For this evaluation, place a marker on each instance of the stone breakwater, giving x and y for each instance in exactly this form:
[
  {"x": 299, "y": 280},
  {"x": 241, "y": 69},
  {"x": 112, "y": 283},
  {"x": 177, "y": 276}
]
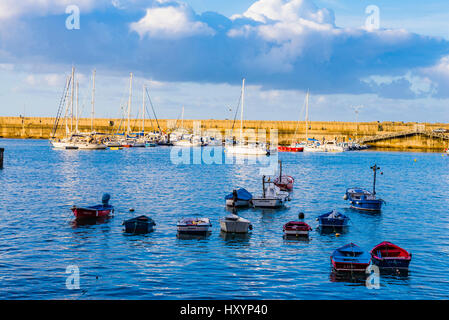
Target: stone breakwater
[{"x": 41, "y": 128}]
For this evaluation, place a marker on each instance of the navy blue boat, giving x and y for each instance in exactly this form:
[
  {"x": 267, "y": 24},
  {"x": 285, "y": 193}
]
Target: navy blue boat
[
  {"x": 333, "y": 219},
  {"x": 362, "y": 199},
  {"x": 239, "y": 198},
  {"x": 141, "y": 224},
  {"x": 350, "y": 258}
]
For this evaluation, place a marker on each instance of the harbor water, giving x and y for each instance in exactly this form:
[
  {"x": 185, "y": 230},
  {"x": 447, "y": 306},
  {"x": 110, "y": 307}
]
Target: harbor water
[{"x": 40, "y": 242}]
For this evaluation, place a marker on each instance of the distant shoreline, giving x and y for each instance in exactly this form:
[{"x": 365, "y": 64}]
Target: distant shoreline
[{"x": 41, "y": 128}]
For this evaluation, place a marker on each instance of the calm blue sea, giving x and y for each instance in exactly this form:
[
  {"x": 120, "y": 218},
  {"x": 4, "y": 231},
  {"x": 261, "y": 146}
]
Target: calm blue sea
[{"x": 39, "y": 238}]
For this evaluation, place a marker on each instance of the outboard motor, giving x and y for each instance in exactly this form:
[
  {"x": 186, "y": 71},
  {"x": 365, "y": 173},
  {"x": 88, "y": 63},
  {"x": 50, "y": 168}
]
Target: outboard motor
[{"x": 105, "y": 199}]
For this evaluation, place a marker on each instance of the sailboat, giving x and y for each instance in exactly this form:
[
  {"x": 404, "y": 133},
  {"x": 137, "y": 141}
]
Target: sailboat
[
  {"x": 272, "y": 196},
  {"x": 184, "y": 139},
  {"x": 310, "y": 145},
  {"x": 242, "y": 148},
  {"x": 87, "y": 141},
  {"x": 67, "y": 142}
]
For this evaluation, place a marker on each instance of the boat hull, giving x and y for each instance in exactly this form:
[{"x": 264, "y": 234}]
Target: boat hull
[
  {"x": 186, "y": 229},
  {"x": 90, "y": 213},
  {"x": 290, "y": 149},
  {"x": 392, "y": 263},
  {"x": 234, "y": 226},
  {"x": 92, "y": 146},
  {"x": 367, "y": 205},
  {"x": 332, "y": 223},
  {"x": 349, "y": 266},
  {"x": 267, "y": 203},
  {"x": 139, "y": 225},
  {"x": 237, "y": 203},
  {"x": 246, "y": 150}
]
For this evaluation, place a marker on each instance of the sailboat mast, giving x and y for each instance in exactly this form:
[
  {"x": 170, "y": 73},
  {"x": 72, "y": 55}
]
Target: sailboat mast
[
  {"x": 307, "y": 116},
  {"x": 182, "y": 117},
  {"x": 92, "y": 115},
  {"x": 77, "y": 105},
  {"x": 241, "y": 114},
  {"x": 67, "y": 106},
  {"x": 129, "y": 99},
  {"x": 71, "y": 99},
  {"x": 143, "y": 109}
]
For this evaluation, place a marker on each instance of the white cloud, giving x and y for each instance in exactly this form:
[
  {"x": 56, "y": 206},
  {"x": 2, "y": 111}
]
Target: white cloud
[
  {"x": 48, "y": 79},
  {"x": 439, "y": 76},
  {"x": 170, "y": 22}
]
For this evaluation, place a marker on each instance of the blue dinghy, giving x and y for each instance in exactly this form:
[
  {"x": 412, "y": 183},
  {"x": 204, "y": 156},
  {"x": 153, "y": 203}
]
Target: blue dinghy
[
  {"x": 239, "y": 198},
  {"x": 350, "y": 257},
  {"x": 333, "y": 219}
]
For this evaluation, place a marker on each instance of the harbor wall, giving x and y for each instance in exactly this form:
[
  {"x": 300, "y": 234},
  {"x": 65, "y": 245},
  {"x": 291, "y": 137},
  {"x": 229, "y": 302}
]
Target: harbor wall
[{"x": 41, "y": 128}]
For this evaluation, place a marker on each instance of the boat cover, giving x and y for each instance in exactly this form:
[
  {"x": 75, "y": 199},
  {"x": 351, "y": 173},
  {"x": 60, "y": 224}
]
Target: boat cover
[{"x": 242, "y": 194}]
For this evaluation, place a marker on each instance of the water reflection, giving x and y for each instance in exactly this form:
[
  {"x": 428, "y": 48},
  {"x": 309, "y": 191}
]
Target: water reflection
[
  {"x": 349, "y": 277},
  {"x": 192, "y": 236},
  {"x": 235, "y": 239},
  {"x": 332, "y": 230},
  {"x": 78, "y": 223},
  {"x": 298, "y": 238}
]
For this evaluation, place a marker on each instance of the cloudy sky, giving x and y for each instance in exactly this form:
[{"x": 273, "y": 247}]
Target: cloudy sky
[{"x": 194, "y": 53}]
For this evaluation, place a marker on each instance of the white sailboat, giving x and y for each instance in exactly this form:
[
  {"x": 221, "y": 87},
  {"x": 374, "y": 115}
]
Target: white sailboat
[
  {"x": 241, "y": 148},
  {"x": 67, "y": 142},
  {"x": 307, "y": 145},
  {"x": 87, "y": 141},
  {"x": 181, "y": 138}
]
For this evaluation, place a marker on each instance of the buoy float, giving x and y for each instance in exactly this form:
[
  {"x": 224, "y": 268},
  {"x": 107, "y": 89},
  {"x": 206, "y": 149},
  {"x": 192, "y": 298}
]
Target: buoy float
[
  {"x": 131, "y": 210},
  {"x": 337, "y": 234},
  {"x": 301, "y": 215}
]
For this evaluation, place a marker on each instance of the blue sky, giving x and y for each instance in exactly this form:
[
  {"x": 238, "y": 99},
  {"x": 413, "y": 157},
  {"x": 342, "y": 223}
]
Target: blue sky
[{"x": 194, "y": 53}]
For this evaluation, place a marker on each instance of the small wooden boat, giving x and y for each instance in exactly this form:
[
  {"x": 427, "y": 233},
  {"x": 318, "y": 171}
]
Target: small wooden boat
[
  {"x": 387, "y": 255},
  {"x": 290, "y": 149},
  {"x": 296, "y": 228},
  {"x": 141, "y": 224},
  {"x": 333, "y": 219},
  {"x": 362, "y": 199},
  {"x": 238, "y": 198},
  {"x": 234, "y": 224},
  {"x": 98, "y": 211},
  {"x": 350, "y": 258},
  {"x": 194, "y": 225},
  {"x": 284, "y": 182}
]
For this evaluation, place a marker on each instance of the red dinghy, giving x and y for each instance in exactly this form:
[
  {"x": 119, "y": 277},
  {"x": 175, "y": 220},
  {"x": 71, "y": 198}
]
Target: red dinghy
[
  {"x": 98, "y": 211},
  {"x": 387, "y": 255},
  {"x": 296, "y": 228}
]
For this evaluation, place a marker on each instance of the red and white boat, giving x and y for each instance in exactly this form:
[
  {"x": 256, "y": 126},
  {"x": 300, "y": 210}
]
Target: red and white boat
[
  {"x": 290, "y": 149},
  {"x": 98, "y": 211},
  {"x": 283, "y": 182},
  {"x": 296, "y": 228}
]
